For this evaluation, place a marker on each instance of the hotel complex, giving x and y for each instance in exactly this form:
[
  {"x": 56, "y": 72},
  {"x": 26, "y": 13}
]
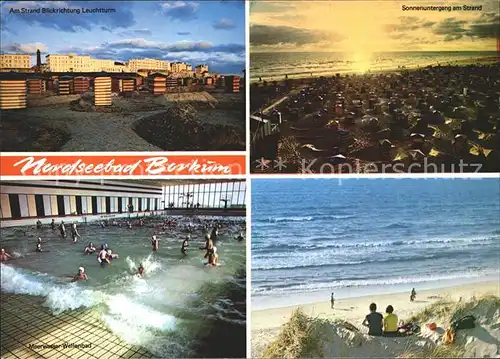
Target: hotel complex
[{"x": 77, "y": 63}]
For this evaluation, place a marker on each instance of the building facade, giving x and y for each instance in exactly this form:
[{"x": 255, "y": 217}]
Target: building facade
[
  {"x": 66, "y": 198},
  {"x": 200, "y": 69},
  {"x": 11, "y": 62},
  {"x": 76, "y": 63},
  {"x": 178, "y": 67},
  {"x": 134, "y": 65}
]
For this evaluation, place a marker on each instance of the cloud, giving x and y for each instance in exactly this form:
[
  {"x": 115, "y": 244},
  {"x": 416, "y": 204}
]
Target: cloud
[
  {"x": 180, "y": 10},
  {"x": 136, "y": 32},
  {"x": 122, "y": 18},
  {"x": 185, "y": 33},
  {"x": 270, "y": 7},
  {"x": 224, "y": 24},
  {"x": 276, "y": 35},
  {"x": 407, "y": 24},
  {"x": 450, "y": 26},
  {"x": 288, "y": 18},
  {"x": 29, "y": 48}
]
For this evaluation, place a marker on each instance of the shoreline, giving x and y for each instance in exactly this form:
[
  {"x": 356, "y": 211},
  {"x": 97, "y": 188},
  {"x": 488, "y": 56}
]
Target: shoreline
[
  {"x": 280, "y": 79},
  {"x": 266, "y": 323}
]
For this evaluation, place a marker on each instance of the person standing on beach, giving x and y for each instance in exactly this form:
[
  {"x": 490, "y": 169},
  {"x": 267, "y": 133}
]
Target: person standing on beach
[
  {"x": 332, "y": 300},
  {"x": 374, "y": 321},
  {"x": 413, "y": 295}
]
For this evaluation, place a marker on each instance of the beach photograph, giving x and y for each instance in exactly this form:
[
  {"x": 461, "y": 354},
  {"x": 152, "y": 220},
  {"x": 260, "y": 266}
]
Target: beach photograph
[
  {"x": 123, "y": 269},
  {"x": 123, "y": 76},
  {"x": 374, "y": 87},
  {"x": 375, "y": 268}
]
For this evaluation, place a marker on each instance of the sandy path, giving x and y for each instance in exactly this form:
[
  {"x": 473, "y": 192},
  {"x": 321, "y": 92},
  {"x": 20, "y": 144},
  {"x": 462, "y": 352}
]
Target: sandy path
[
  {"x": 106, "y": 132},
  {"x": 266, "y": 323}
]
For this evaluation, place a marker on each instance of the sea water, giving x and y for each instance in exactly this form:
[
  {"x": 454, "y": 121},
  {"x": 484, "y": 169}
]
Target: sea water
[
  {"x": 355, "y": 237},
  {"x": 162, "y": 311},
  {"x": 275, "y": 65}
]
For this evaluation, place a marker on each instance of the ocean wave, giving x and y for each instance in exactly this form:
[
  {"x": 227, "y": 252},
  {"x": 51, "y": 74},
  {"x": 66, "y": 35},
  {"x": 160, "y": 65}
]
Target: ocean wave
[
  {"x": 315, "y": 263},
  {"x": 307, "y": 246},
  {"x": 330, "y": 285},
  {"x": 306, "y": 218}
]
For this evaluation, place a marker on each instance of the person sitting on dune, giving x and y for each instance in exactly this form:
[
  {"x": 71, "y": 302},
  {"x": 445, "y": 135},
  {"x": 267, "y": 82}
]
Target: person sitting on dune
[
  {"x": 374, "y": 321},
  {"x": 4, "y": 256},
  {"x": 390, "y": 322},
  {"x": 81, "y": 275}
]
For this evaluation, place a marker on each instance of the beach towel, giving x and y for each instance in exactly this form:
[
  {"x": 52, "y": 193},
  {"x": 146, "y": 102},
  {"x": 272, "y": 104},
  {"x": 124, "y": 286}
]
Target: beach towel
[
  {"x": 449, "y": 336},
  {"x": 409, "y": 329},
  {"x": 467, "y": 322}
]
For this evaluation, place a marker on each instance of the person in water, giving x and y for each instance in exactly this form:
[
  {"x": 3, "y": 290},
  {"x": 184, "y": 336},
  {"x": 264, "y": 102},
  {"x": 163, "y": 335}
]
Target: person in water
[
  {"x": 89, "y": 249},
  {"x": 214, "y": 235},
  {"x": 413, "y": 295},
  {"x": 4, "y": 256},
  {"x": 240, "y": 237},
  {"x": 155, "y": 243},
  {"x": 38, "y": 224},
  {"x": 53, "y": 224},
  {"x": 81, "y": 275},
  {"x": 213, "y": 257},
  {"x": 102, "y": 257},
  {"x": 110, "y": 255},
  {"x": 374, "y": 321},
  {"x": 140, "y": 270},
  {"x": 332, "y": 300},
  {"x": 74, "y": 233},
  {"x": 185, "y": 245},
  {"x": 39, "y": 245},
  {"x": 62, "y": 229},
  {"x": 390, "y": 322}
]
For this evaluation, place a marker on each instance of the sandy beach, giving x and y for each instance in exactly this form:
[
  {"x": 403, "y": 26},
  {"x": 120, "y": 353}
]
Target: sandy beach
[{"x": 266, "y": 323}]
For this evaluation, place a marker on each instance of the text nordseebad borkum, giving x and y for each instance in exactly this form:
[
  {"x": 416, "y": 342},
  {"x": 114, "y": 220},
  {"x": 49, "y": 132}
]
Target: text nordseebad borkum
[{"x": 57, "y": 10}]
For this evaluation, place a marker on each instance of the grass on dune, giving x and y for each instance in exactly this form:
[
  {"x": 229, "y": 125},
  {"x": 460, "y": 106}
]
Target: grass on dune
[
  {"x": 449, "y": 310},
  {"x": 300, "y": 337},
  {"x": 440, "y": 351}
]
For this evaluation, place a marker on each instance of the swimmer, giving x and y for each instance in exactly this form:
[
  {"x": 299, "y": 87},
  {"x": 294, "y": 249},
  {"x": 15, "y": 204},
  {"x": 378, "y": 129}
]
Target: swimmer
[
  {"x": 102, "y": 257},
  {"x": 129, "y": 225},
  {"x": 38, "y": 224},
  {"x": 4, "y": 255},
  {"x": 240, "y": 237},
  {"x": 154, "y": 243},
  {"x": 213, "y": 257},
  {"x": 110, "y": 255},
  {"x": 74, "y": 233},
  {"x": 140, "y": 270},
  {"x": 89, "y": 249},
  {"x": 39, "y": 245},
  {"x": 62, "y": 229},
  {"x": 53, "y": 224},
  {"x": 81, "y": 275},
  {"x": 185, "y": 246}
]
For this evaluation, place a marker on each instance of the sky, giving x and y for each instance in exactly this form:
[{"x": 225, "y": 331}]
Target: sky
[
  {"x": 196, "y": 32},
  {"x": 371, "y": 26}
]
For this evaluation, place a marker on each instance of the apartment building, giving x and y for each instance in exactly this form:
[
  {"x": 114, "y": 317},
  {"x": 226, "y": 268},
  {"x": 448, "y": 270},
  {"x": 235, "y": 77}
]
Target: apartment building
[
  {"x": 134, "y": 65},
  {"x": 181, "y": 67},
  {"x": 76, "y": 63},
  {"x": 10, "y": 62},
  {"x": 200, "y": 69}
]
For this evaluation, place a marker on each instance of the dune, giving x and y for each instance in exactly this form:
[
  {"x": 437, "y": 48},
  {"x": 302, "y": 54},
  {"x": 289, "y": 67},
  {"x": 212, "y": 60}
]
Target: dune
[{"x": 317, "y": 331}]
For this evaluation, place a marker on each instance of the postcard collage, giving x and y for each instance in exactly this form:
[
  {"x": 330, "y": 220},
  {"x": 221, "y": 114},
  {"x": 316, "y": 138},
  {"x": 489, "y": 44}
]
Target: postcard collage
[{"x": 250, "y": 179}]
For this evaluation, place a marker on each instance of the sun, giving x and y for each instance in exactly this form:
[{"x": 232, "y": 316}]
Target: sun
[{"x": 361, "y": 62}]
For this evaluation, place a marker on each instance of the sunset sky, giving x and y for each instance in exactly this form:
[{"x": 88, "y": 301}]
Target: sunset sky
[
  {"x": 371, "y": 26},
  {"x": 196, "y": 32}
]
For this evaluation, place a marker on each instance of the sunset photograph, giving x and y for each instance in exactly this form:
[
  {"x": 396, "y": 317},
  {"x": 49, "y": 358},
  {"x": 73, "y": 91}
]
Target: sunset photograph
[{"x": 374, "y": 86}]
